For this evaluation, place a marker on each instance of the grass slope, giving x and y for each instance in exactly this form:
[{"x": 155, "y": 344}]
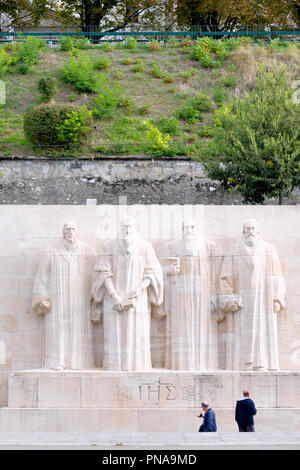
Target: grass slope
[{"x": 157, "y": 85}]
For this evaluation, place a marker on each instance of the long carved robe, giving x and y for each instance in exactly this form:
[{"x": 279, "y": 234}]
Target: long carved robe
[
  {"x": 126, "y": 344},
  {"x": 253, "y": 274},
  {"x": 191, "y": 330},
  {"x": 64, "y": 278}
]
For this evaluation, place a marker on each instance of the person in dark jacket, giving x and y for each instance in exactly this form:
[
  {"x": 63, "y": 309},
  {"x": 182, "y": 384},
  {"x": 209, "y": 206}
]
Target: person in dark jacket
[
  {"x": 209, "y": 421},
  {"x": 244, "y": 412}
]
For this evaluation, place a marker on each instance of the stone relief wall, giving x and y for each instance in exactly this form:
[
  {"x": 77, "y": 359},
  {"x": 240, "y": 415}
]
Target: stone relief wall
[{"x": 27, "y": 231}]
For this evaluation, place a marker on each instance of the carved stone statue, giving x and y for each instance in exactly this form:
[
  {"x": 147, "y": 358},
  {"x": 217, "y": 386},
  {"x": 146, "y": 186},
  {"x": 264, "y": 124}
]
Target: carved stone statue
[
  {"x": 253, "y": 293},
  {"x": 62, "y": 293},
  {"x": 128, "y": 280},
  {"x": 191, "y": 330}
]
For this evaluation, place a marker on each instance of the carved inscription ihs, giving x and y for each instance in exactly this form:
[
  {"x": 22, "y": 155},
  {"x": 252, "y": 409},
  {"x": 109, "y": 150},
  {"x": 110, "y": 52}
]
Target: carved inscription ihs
[{"x": 156, "y": 391}]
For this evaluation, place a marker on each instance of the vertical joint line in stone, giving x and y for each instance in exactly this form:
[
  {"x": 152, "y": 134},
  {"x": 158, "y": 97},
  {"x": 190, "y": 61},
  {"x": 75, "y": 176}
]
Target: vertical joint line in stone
[
  {"x": 122, "y": 200},
  {"x": 122, "y": 211}
]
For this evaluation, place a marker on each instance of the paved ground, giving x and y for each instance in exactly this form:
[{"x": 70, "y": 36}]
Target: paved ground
[{"x": 149, "y": 441}]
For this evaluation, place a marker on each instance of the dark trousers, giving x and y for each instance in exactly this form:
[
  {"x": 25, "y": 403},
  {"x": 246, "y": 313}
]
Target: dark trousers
[{"x": 246, "y": 428}]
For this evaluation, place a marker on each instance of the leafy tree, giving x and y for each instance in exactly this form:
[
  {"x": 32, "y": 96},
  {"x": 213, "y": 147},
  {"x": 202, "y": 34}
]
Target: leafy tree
[
  {"x": 22, "y": 12},
  {"x": 227, "y": 14},
  {"x": 255, "y": 148},
  {"x": 92, "y": 13},
  {"x": 117, "y": 14}
]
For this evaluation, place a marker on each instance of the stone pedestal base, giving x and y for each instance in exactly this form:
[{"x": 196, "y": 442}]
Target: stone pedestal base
[
  {"x": 138, "y": 420},
  {"x": 97, "y": 400}
]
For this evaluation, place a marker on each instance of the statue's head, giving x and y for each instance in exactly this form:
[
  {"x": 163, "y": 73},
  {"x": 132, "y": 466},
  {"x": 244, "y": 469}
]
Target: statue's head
[
  {"x": 189, "y": 229},
  {"x": 127, "y": 227},
  {"x": 250, "y": 231},
  {"x": 69, "y": 231}
]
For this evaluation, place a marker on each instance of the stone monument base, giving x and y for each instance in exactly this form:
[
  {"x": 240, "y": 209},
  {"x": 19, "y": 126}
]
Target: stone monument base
[{"x": 161, "y": 400}]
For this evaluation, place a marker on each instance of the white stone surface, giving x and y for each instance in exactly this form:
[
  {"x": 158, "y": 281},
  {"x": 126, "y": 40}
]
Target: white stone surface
[
  {"x": 128, "y": 281},
  {"x": 138, "y": 420},
  {"x": 189, "y": 304},
  {"x": 83, "y": 399},
  {"x": 26, "y": 231},
  {"x": 159, "y": 389},
  {"x": 252, "y": 292},
  {"x": 150, "y": 441},
  {"x": 61, "y": 293}
]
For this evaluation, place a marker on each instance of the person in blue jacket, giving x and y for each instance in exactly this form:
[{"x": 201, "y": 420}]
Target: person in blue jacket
[
  {"x": 209, "y": 421},
  {"x": 244, "y": 412}
]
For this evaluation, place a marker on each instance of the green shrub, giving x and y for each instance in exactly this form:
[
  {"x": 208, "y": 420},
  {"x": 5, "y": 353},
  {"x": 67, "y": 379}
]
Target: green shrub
[
  {"x": 158, "y": 141},
  {"x": 232, "y": 44},
  {"x": 107, "y": 100},
  {"x": 139, "y": 75},
  {"x": 206, "y": 131},
  {"x": 229, "y": 81},
  {"x": 27, "y": 52},
  {"x": 131, "y": 43},
  {"x": 168, "y": 78},
  {"x": 5, "y": 61},
  {"x": 193, "y": 107},
  {"x": 189, "y": 113},
  {"x": 23, "y": 68},
  {"x": 126, "y": 135},
  {"x": 105, "y": 105},
  {"x": 127, "y": 61},
  {"x": 202, "y": 103},
  {"x": 210, "y": 52},
  {"x": 173, "y": 42},
  {"x": 187, "y": 74},
  {"x": 220, "y": 95},
  {"x": 156, "y": 70},
  {"x": 145, "y": 109},
  {"x": 154, "y": 45},
  {"x": 216, "y": 74},
  {"x": 108, "y": 47},
  {"x": 232, "y": 67},
  {"x": 72, "y": 97},
  {"x": 81, "y": 74},
  {"x": 175, "y": 149},
  {"x": 138, "y": 67},
  {"x": 278, "y": 45},
  {"x": 48, "y": 88},
  {"x": 66, "y": 44},
  {"x": 169, "y": 126},
  {"x": 127, "y": 103},
  {"x": 102, "y": 63},
  {"x": 118, "y": 74},
  {"x": 255, "y": 149},
  {"x": 173, "y": 90},
  {"x": 77, "y": 127},
  {"x": 244, "y": 41},
  {"x": 82, "y": 43},
  {"x": 41, "y": 124}
]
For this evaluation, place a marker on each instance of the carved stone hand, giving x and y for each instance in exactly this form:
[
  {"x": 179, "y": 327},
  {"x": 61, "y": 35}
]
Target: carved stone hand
[
  {"x": 133, "y": 294},
  {"x": 118, "y": 305},
  {"x": 234, "y": 305},
  {"x": 173, "y": 270},
  {"x": 44, "y": 306},
  {"x": 276, "y": 306}
]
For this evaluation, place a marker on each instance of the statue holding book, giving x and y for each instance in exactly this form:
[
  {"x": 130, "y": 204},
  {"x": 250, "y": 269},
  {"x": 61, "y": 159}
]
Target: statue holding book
[
  {"x": 128, "y": 281},
  {"x": 189, "y": 301}
]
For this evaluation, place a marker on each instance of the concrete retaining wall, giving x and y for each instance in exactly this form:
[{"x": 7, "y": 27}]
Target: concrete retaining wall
[{"x": 160, "y": 181}]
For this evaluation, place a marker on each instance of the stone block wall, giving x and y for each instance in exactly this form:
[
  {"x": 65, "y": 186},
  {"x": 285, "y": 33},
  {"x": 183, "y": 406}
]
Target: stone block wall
[{"x": 25, "y": 231}]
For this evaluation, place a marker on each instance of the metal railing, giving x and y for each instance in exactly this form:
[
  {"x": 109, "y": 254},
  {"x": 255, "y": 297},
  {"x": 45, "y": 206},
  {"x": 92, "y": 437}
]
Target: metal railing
[{"x": 54, "y": 33}]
